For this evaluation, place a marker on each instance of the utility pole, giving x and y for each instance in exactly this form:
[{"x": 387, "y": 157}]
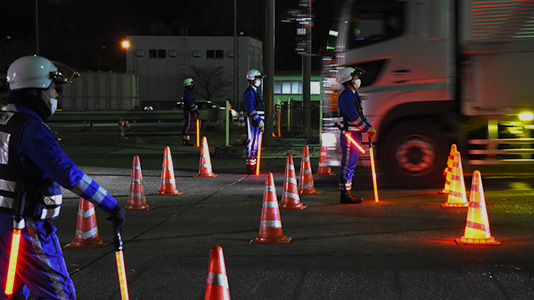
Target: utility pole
[
  {"x": 306, "y": 69},
  {"x": 268, "y": 82}
]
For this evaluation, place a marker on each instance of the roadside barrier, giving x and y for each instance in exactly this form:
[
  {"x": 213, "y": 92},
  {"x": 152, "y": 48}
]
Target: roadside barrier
[
  {"x": 204, "y": 169},
  {"x": 457, "y": 196},
  {"x": 290, "y": 197},
  {"x": 270, "y": 224},
  {"x": 86, "y": 228},
  {"x": 217, "y": 283},
  {"x": 477, "y": 228},
  {"x": 306, "y": 186},
  {"x": 168, "y": 183},
  {"x": 137, "y": 199}
]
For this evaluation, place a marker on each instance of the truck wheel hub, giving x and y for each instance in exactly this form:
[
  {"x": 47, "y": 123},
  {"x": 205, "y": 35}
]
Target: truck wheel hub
[{"x": 415, "y": 156}]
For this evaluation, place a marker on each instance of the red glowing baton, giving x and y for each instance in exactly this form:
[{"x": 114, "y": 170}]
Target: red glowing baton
[
  {"x": 259, "y": 154},
  {"x": 18, "y": 225},
  {"x": 373, "y": 170},
  {"x": 350, "y": 139},
  {"x": 121, "y": 270},
  {"x": 198, "y": 132}
]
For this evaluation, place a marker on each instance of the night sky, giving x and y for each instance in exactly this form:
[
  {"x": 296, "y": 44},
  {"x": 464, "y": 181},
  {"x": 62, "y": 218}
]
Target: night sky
[{"x": 87, "y": 34}]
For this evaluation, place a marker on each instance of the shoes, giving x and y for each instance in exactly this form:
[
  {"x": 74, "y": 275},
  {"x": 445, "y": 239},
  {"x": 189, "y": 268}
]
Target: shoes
[
  {"x": 187, "y": 143},
  {"x": 346, "y": 198}
]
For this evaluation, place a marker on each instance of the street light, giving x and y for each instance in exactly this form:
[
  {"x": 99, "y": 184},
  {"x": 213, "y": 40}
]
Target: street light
[{"x": 125, "y": 44}]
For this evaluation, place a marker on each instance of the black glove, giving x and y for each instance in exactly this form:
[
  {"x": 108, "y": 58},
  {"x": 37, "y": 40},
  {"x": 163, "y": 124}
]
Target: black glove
[{"x": 116, "y": 216}]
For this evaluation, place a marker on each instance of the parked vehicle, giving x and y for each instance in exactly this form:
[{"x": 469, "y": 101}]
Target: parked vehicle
[{"x": 438, "y": 72}]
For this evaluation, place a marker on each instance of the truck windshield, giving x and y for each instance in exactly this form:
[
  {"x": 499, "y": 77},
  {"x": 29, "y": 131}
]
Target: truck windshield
[{"x": 374, "y": 21}]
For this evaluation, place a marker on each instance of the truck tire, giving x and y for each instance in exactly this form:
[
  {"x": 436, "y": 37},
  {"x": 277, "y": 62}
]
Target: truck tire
[{"x": 414, "y": 155}]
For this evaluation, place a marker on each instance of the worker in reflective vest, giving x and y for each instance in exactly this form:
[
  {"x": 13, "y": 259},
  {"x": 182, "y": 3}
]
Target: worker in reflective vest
[
  {"x": 354, "y": 123},
  {"x": 191, "y": 112},
  {"x": 255, "y": 115},
  {"x": 32, "y": 163}
]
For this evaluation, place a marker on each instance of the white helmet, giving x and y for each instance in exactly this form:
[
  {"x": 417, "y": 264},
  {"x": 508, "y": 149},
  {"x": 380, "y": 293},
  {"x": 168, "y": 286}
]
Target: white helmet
[
  {"x": 37, "y": 72},
  {"x": 348, "y": 73},
  {"x": 188, "y": 82},
  {"x": 253, "y": 74}
]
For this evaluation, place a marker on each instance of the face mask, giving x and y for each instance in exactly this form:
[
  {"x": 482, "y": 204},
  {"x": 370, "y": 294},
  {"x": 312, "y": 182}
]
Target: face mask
[
  {"x": 53, "y": 105},
  {"x": 51, "y": 102},
  {"x": 257, "y": 82},
  {"x": 357, "y": 83}
]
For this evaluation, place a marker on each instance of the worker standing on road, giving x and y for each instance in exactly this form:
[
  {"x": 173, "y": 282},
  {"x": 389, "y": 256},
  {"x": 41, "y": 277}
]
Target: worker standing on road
[
  {"x": 190, "y": 111},
  {"x": 255, "y": 114},
  {"x": 32, "y": 166},
  {"x": 354, "y": 123}
]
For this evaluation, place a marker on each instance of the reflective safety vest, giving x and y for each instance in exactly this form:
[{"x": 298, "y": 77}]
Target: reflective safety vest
[{"x": 43, "y": 196}]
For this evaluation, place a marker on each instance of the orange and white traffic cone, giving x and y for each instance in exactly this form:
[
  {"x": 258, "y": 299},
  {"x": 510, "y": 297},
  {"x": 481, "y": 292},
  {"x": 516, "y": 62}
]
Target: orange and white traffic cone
[
  {"x": 270, "y": 224},
  {"x": 120, "y": 134},
  {"x": 457, "y": 196},
  {"x": 217, "y": 283},
  {"x": 137, "y": 199},
  {"x": 241, "y": 120},
  {"x": 324, "y": 169},
  {"x": 204, "y": 169},
  {"x": 290, "y": 197},
  {"x": 168, "y": 183},
  {"x": 477, "y": 228},
  {"x": 86, "y": 228},
  {"x": 306, "y": 186},
  {"x": 448, "y": 170}
]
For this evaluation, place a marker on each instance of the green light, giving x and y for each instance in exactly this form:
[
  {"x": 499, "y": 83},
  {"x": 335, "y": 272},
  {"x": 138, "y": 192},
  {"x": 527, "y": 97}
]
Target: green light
[
  {"x": 333, "y": 32},
  {"x": 526, "y": 116}
]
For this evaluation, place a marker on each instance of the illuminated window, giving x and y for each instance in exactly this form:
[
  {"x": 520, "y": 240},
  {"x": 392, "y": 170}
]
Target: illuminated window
[
  {"x": 286, "y": 87},
  {"x": 278, "y": 87},
  {"x": 296, "y": 87},
  {"x": 156, "y": 53},
  {"x": 315, "y": 88}
]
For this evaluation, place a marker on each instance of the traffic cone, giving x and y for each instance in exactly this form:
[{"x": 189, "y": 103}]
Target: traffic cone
[
  {"x": 290, "y": 197},
  {"x": 86, "y": 229},
  {"x": 125, "y": 124},
  {"x": 306, "y": 186},
  {"x": 270, "y": 224},
  {"x": 217, "y": 283},
  {"x": 477, "y": 229},
  {"x": 448, "y": 170},
  {"x": 120, "y": 134},
  {"x": 137, "y": 199},
  {"x": 457, "y": 196},
  {"x": 241, "y": 120},
  {"x": 204, "y": 169},
  {"x": 168, "y": 183},
  {"x": 324, "y": 169}
]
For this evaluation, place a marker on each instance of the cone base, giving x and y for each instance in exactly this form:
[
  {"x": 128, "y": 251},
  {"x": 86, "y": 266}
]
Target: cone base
[
  {"x": 266, "y": 240},
  {"x": 87, "y": 244},
  {"x": 206, "y": 175},
  {"x": 324, "y": 173},
  {"x": 474, "y": 241},
  {"x": 312, "y": 191},
  {"x": 138, "y": 207},
  {"x": 167, "y": 193},
  {"x": 293, "y": 206},
  {"x": 455, "y": 205}
]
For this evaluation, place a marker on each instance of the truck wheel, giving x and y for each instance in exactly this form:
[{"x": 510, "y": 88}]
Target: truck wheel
[{"x": 414, "y": 155}]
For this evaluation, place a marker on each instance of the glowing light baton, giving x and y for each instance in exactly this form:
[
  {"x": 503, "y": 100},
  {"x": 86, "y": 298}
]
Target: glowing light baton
[
  {"x": 121, "y": 270},
  {"x": 259, "y": 155},
  {"x": 18, "y": 225},
  {"x": 198, "y": 132},
  {"x": 373, "y": 170},
  {"x": 350, "y": 139}
]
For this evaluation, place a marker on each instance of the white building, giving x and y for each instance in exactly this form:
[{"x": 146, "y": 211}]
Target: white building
[{"x": 163, "y": 62}]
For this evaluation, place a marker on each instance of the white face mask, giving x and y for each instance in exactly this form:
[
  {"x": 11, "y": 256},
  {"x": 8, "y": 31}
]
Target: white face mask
[
  {"x": 50, "y": 102},
  {"x": 53, "y": 105},
  {"x": 257, "y": 82},
  {"x": 357, "y": 83}
]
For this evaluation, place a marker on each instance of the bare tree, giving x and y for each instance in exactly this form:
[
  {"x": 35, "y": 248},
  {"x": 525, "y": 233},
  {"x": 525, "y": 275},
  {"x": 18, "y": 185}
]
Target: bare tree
[{"x": 210, "y": 81}]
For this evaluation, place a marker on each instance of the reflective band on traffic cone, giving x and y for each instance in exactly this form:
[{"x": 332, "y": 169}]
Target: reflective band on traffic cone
[
  {"x": 324, "y": 169},
  {"x": 270, "y": 224},
  {"x": 290, "y": 197},
  {"x": 217, "y": 283},
  {"x": 477, "y": 228},
  {"x": 86, "y": 228},
  {"x": 204, "y": 169},
  {"x": 448, "y": 170},
  {"x": 457, "y": 196},
  {"x": 241, "y": 120},
  {"x": 168, "y": 183},
  {"x": 137, "y": 199},
  {"x": 120, "y": 134},
  {"x": 306, "y": 186}
]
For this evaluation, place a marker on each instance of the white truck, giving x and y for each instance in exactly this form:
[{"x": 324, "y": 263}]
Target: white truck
[{"x": 438, "y": 72}]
